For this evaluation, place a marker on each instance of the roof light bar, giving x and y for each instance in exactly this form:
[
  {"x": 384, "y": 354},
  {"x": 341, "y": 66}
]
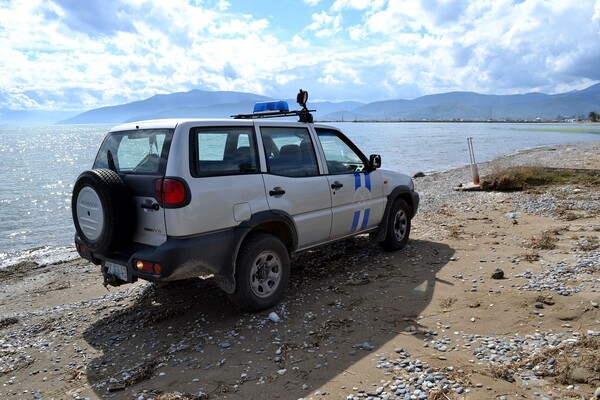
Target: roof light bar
[
  {"x": 280, "y": 108},
  {"x": 269, "y": 106}
]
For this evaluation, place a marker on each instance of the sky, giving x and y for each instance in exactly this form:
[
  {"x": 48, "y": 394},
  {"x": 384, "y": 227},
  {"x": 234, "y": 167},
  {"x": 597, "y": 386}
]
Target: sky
[{"x": 85, "y": 54}]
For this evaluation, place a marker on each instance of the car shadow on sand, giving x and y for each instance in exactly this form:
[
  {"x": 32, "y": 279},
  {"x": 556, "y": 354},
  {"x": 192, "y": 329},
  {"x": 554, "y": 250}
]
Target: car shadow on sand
[{"x": 343, "y": 302}]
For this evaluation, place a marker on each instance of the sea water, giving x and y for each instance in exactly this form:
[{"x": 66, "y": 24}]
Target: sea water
[{"x": 39, "y": 165}]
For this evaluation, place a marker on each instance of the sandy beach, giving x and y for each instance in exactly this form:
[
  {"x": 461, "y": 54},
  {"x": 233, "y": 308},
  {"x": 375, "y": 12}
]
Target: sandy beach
[{"x": 495, "y": 297}]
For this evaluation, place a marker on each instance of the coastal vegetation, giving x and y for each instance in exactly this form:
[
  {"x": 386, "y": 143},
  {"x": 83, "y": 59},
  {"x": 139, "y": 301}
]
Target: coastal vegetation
[{"x": 506, "y": 179}]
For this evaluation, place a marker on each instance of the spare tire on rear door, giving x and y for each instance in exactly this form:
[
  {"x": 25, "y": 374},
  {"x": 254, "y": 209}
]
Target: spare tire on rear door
[{"x": 102, "y": 210}]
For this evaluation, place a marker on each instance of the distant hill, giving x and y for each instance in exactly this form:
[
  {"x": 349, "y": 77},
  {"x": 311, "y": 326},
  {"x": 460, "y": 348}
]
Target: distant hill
[
  {"x": 193, "y": 104},
  {"x": 444, "y": 106},
  {"x": 474, "y": 106}
]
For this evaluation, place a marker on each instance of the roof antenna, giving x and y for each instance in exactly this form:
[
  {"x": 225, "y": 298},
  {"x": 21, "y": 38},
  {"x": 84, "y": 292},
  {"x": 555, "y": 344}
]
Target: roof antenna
[
  {"x": 305, "y": 115},
  {"x": 302, "y": 98}
]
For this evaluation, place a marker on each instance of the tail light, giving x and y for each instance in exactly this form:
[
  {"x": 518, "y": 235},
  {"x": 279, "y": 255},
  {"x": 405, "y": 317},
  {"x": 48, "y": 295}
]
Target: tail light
[
  {"x": 83, "y": 251},
  {"x": 148, "y": 266},
  {"x": 172, "y": 192}
]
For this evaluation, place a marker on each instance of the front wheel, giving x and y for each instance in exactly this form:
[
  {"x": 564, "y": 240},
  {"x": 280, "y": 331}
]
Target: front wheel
[
  {"x": 398, "y": 227},
  {"x": 262, "y": 273}
]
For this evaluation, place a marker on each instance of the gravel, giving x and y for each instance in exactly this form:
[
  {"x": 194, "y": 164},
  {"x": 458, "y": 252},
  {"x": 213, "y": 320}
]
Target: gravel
[
  {"x": 413, "y": 379},
  {"x": 516, "y": 358}
]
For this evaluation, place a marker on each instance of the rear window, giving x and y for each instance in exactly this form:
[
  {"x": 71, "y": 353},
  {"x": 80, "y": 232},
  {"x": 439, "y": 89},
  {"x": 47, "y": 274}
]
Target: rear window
[{"x": 142, "y": 151}]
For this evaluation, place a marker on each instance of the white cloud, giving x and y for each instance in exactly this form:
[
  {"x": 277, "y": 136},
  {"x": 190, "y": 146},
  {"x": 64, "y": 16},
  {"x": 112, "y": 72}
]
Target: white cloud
[
  {"x": 299, "y": 42},
  {"x": 79, "y": 55},
  {"x": 357, "y": 32},
  {"x": 340, "y": 5},
  {"x": 325, "y": 25}
]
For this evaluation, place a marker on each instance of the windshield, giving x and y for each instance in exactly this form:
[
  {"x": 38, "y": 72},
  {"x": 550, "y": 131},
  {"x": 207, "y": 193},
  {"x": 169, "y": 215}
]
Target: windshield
[{"x": 142, "y": 151}]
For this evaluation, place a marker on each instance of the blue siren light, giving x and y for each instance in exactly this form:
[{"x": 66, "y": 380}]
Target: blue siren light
[{"x": 270, "y": 106}]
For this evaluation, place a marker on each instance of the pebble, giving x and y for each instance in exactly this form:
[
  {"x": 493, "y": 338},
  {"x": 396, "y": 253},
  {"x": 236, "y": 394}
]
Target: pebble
[
  {"x": 561, "y": 277},
  {"x": 273, "y": 317},
  {"x": 498, "y": 274}
]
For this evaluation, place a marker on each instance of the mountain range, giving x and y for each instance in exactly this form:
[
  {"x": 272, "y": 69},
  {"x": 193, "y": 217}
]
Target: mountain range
[{"x": 436, "y": 107}]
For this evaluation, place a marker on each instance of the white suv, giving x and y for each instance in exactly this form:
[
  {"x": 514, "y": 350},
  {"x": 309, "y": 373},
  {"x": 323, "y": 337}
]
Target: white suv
[{"x": 235, "y": 198}]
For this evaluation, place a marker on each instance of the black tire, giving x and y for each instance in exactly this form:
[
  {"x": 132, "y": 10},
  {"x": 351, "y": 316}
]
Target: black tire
[
  {"x": 262, "y": 273},
  {"x": 102, "y": 210},
  {"x": 398, "y": 226}
]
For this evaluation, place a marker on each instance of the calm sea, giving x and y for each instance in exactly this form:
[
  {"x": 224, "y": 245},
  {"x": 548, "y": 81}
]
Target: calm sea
[{"x": 38, "y": 165}]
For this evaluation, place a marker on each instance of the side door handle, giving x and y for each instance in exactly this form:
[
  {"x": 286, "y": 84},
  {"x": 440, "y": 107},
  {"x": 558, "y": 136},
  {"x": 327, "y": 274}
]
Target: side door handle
[
  {"x": 276, "y": 191},
  {"x": 337, "y": 185}
]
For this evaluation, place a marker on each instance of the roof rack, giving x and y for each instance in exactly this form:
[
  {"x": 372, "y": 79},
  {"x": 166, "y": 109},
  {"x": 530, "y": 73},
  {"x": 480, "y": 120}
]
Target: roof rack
[{"x": 278, "y": 108}]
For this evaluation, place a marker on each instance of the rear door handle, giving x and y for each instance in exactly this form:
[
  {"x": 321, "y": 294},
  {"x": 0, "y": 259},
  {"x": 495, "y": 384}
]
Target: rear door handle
[
  {"x": 150, "y": 206},
  {"x": 276, "y": 191},
  {"x": 337, "y": 185}
]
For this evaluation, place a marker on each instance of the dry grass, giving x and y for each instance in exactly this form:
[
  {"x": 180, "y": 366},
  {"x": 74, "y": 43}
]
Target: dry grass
[
  {"x": 159, "y": 395},
  {"x": 546, "y": 241},
  {"x": 530, "y": 257},
  {"x": 588, "y": 243},
  {"x": 448, "y": 302},
  {"x": 509, "y": 179},
  {"x": 455, "y": 231}
]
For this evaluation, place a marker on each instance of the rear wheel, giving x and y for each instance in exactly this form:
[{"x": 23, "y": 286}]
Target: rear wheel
[
  {"x": 262, "y": 273},
  {"x": 102, "y": 212},
  {"x": 398, "y": 227}
]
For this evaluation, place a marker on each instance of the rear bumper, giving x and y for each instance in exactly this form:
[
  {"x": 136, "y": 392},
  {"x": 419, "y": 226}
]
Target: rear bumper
[{"x": 179, "y": 258}]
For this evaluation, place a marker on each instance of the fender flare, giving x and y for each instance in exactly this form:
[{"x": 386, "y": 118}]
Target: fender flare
[{"x": 276, "y": 222}]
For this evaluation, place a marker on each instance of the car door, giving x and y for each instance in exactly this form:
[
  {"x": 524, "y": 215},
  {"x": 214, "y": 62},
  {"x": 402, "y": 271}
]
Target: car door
[
  {"x": 357, "y": 194},
  {"x": 225, "y": 183},
  {"x": 293, "y": 183}
]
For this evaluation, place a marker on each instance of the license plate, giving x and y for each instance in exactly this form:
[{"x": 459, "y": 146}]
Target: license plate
[{"x": 120, "y": 271}]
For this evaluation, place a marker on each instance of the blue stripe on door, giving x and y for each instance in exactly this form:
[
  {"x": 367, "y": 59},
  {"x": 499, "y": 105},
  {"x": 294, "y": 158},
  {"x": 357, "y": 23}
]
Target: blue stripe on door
[
  {"x": 365, "y": 219},
  {"x": 355, "y": 221}
]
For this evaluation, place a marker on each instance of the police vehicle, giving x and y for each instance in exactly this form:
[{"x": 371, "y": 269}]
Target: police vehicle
[{"x": 233, "y": 198}]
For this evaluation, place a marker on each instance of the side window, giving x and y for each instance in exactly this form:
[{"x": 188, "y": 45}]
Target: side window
[
  {"x": 289, "y": 151},
  {"x": 341, "y": 158},
  {"x": 223, "y": 151}
]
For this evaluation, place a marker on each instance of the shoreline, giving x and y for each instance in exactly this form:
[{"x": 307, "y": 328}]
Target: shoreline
[
  {"x": 453, "y": 121},
  {"x": 538, "y": 155}
]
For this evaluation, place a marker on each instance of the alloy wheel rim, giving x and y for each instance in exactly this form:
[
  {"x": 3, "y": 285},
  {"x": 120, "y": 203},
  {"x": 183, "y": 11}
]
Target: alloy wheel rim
[
  {"x": 265, "y": 275},
  {"x": 400, "y": 225}
]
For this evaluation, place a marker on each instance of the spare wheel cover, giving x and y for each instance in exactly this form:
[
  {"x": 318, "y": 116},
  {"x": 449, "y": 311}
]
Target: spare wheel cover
[
  {"x": 102, "y": 210},
  {"x": 90, "y": 213}
]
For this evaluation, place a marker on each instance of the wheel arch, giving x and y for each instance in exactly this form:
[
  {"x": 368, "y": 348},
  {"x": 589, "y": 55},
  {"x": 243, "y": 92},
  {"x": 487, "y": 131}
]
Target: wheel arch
[
  {"x": 278, "y": 223},
  {"x": 402, "y": 192},
  {"x": 275, "y": 222}
]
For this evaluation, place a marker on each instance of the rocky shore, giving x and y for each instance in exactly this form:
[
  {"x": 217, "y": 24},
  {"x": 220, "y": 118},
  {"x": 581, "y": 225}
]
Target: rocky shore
[{"x": 495, "y": 297}]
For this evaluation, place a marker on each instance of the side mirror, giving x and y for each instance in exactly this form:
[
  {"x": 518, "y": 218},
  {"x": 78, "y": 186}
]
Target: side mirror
[{"x": 374, "y": 161}]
